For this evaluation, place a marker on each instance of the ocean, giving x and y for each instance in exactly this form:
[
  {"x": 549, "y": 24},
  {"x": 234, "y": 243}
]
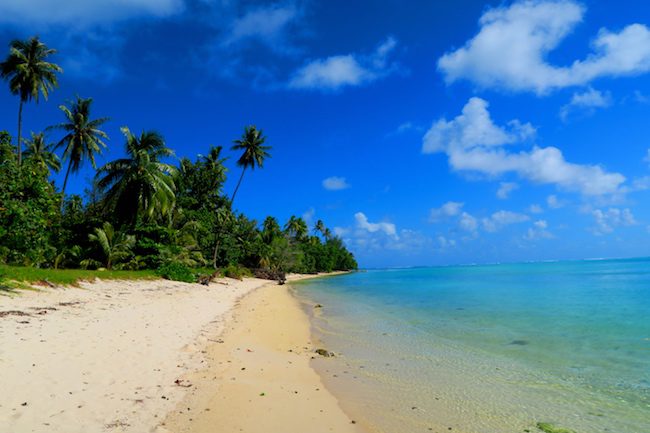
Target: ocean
[{"x": 488, "y": 349}]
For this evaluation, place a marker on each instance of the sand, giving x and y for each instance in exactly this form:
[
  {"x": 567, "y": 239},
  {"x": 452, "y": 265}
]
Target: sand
[
  {"x": 259, "y": 379},
  {"x": 160, "y": 356}
]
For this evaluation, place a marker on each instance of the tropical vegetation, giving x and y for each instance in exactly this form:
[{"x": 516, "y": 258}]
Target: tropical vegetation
[{"x": 146, "y": 211}]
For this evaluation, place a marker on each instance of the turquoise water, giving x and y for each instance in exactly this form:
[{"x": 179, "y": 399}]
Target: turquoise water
[{"x": 484, "y": 349}]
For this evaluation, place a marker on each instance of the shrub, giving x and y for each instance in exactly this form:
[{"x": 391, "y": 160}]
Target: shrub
[
  {"x": 235, "y": 271},
  {"x": 176, "y": 272}
]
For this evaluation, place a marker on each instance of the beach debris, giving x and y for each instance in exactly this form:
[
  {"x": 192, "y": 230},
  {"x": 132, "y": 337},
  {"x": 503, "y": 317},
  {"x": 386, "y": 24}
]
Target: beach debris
[
  {"x": 182, "y": 382},
  {"x": 262, "y": 394},
  {"x": 325, "y": 353},
  {"x": 318, "y": 306},
  {"x": 550, "y": 428},
  {"x": 268, "y": 274},
  {"x": 13, "y": 313}
]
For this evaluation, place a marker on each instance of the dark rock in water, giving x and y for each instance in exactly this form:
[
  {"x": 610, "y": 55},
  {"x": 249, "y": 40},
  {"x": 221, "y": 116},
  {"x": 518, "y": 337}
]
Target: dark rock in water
[
  {"x": 318, "y": 306},
  {"x": 550, "y": 428},
  {"x": 323, "y": 352},
  {"x": 519, "y": 343}
]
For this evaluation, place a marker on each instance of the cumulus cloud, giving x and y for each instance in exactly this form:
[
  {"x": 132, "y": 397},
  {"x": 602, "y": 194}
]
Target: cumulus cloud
[
  {"x": 335, "y": 183},
  {"x": 473, "y": 143},
  {"x": 505, "y": 188},
  {"x": 340, "y": 71},
  {"x": 468, "y": 223},
  {"x": 607, "y": 220},
  {"x": 386, "y": 228},
  {"x": 83, "y": 12},
  {"x": 538, "y": 231},
  {"x": 586, "y": 102},
  {"x": 513, "y": 43},
  {"x": 535, "y": 208},
  {"x": 449, "y": 209},
  {"x": 503, "y": 218}
]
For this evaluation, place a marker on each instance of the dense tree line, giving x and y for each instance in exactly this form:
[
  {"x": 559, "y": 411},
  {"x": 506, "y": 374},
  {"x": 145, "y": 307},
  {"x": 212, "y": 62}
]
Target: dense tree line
[{"x": 147, "y": 210}]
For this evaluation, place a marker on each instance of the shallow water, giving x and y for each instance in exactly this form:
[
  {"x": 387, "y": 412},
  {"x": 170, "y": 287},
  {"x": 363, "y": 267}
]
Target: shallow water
[{"x": 490, "y": 349}]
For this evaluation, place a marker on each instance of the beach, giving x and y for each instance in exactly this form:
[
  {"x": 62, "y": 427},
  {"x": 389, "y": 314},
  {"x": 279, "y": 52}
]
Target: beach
[{"x": 160, "y": 356}]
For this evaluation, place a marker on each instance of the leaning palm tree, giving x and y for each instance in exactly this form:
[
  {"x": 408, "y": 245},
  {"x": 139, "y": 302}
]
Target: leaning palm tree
[
  {"x": 115, "y": 245},
  {"x": 253, "y": 154},
  {"x": 29, "y": 75},
  {"x": 140, "y": 184},
  {"x": 83, "y": 137},
  {"x": 39, "y": 151}
]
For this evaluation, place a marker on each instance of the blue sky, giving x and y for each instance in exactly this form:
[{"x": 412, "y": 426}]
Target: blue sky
[{"x": 422, "y": 132}]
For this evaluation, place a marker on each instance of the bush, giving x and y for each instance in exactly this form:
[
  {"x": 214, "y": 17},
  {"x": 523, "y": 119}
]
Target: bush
[
  {"x": 176, "y": 272},
  {"x": 236, "y": 272}
]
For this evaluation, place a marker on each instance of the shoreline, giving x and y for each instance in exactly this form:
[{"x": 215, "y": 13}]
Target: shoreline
[{"x": 259, "y": 376}]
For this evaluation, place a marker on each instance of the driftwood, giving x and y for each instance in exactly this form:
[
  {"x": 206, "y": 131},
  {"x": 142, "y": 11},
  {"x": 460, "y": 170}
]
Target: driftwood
[{"x": 268, "y": 274}]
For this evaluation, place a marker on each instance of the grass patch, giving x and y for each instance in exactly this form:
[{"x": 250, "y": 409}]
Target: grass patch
[
  {"x": 550, "y": 428},
  {"x": 20, "y": 276}
]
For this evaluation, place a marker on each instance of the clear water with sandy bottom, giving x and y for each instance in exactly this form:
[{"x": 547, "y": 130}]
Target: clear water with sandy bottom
[{"x": 489, "y": 349}]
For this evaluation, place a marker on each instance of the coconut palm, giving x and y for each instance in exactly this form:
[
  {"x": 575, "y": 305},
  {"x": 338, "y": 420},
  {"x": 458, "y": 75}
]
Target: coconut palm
[
  {"x": 139, "y": 184},
  {"x": 270, "y": 229},
  {"x": 29, "y": 74},
  {"x": 83, "y": 138},
  {"x": 254, "y": 153},
  {"x": 296, "y": 227},
  {"x": 319, "y": 227},
  {"x": 39, "y": 151},
  {"x": 115, "y": 245}
]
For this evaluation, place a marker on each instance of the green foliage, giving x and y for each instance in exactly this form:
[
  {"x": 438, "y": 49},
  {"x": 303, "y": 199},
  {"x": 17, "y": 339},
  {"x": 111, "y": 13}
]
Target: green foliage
[
  {"x": 29, "y": 214},
  {"x": 176, "y": 272},
  {"x": 115, "y": 246},
  {"x": 236, "y": 271}
]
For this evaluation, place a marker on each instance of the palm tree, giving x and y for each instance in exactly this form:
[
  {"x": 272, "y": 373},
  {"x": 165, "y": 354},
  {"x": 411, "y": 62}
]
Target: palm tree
[
  {"x": 297, "y": 227},
  {"x": 29, "y": 75},
  {"x": 39, "y": 151},
  {"x": 224, "y": 221},
  {"x": 114, "y": 245},
  {"x": 319, "y": 227},
  {"x": 83, "y": 137},
  {"x": 253, "y": 154},
  {"x": 140, "y": 183},
  {"x": 270, "y": 229}
]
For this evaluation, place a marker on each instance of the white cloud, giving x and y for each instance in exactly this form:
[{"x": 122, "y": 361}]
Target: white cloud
[
  {"x": 80, "y": 13},
  {"x": 335, "y": 183},
  {"x": 505, "y": 188},
  {"x": 586, "y": 102},
  {"x": 503, "y": 218},
  {"x": 606, "y": 221},
  {"x": 266, "y": 24},
  {"x": 339, "y": 71},
  {"x": 513, "y": 43},
  {"x": 473, "y": 143},
  {"x": 449, "y": 209},
  {"x": 468, "y": 223},
  {"x": 363, "y": 223},
  {"x": 553, "y": 202},
  {"x": 535, "y": 208},
  {"x": 538, "y": 231},
  {"x": 646, "y": 159},
  {"x": 444, "y": 243}
]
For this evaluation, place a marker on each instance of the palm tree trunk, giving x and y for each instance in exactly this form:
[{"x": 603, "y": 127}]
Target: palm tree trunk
[
  {"x": 236, "y": 188},
  {"x": 20, "y": 128},
  {"x": 65, "y": 181},
  {"x": 216, "y": 253}
]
